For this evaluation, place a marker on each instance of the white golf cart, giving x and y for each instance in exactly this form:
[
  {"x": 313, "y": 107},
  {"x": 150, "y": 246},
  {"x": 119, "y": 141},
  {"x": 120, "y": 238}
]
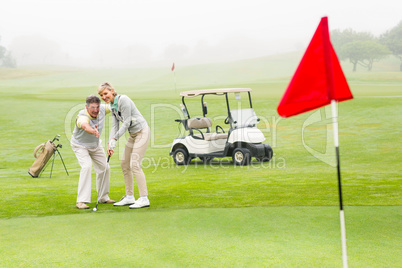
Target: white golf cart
[{"x": 241, "y": 142}]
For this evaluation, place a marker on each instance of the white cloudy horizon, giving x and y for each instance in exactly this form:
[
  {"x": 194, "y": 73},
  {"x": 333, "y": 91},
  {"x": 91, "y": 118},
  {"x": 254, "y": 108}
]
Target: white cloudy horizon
[{"x": 124, "y": 32}]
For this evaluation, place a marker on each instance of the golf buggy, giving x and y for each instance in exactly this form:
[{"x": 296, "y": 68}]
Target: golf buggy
[{"x": 242, "y": 141}]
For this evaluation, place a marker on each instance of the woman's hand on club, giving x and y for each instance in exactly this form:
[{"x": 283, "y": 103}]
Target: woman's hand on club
[{"x": 112, "y": 144}]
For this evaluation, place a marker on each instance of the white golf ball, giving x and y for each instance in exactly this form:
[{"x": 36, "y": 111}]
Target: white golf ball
[{"x": 94, "y": 209}]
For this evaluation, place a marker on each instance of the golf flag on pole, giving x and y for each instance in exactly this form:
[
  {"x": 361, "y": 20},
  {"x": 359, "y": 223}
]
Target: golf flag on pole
[
  {"x": 174, "y": 74},
  {"x": 319, "y": 81}
]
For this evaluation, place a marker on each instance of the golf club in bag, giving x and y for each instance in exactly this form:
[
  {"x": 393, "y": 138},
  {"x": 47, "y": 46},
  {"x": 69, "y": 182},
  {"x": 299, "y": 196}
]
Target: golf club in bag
[
  {"x": 101, "y": 185},
  {"x": 46, "y": 151}
]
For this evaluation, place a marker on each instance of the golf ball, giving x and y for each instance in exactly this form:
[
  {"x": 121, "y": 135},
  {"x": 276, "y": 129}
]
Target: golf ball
[{"x": 94, "y": 209}]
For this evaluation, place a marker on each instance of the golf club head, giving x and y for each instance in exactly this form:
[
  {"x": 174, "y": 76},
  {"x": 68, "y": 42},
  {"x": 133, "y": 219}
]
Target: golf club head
[{"x": 56, "y": 138}]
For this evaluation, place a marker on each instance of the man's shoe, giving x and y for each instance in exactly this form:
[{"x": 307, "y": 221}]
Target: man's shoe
[
  {"x": 124, "y": 201},
  {"x": 110, "y": 201},
  {"x": 142, "y": 202},
  {"x": 81, "y": 205}
]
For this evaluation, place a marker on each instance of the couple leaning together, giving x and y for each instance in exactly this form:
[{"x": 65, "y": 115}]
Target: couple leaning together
[{"x": 87, "y": 147}]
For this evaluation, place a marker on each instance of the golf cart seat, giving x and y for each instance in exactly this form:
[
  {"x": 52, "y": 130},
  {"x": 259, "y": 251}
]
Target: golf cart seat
[{"x": 203, "y": 123}]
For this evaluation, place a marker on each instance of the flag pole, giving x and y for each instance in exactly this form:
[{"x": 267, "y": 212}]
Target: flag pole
[
  {"x": 331, "y": 92},
  {"x": 341, "y": 212},
  {"x": 174, "y": 75},
  {"x": 327, "y": 84}
]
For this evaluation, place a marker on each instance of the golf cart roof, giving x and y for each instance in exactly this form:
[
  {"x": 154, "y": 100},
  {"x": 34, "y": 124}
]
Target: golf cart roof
[{"x": 219, "y": 91}]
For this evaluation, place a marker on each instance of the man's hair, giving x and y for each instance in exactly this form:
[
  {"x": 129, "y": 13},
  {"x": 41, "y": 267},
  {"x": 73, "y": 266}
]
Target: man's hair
[{"x": 92, "y": 99}]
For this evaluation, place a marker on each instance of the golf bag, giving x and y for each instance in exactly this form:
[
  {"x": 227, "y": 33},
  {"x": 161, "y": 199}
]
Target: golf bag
[{"x": 46, "y": 151}]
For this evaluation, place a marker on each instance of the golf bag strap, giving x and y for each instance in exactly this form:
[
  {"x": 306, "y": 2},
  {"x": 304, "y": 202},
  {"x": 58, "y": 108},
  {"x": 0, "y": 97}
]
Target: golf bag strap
[{"x": 37, "y": 148}]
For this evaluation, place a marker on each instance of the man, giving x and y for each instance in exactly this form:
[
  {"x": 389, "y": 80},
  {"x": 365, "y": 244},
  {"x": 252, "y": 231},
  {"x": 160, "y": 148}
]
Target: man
[{"x": 87, "y": 147}]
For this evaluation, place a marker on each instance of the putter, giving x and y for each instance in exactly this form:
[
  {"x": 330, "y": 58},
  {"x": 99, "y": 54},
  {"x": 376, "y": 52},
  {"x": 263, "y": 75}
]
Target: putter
[{"x": 101, "y": 185}]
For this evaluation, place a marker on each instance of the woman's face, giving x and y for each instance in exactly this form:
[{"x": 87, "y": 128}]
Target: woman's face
[{"x": 107, "y": 95}]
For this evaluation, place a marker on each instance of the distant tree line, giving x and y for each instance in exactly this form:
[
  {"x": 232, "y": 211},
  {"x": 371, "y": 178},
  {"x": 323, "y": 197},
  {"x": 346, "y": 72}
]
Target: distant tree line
[
  {"x": 362, "y": 48},
  {"x": 6, "y": 59}
]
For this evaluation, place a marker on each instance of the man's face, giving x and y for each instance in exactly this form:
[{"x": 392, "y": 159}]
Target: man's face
[{"x": 93, "y": 109}]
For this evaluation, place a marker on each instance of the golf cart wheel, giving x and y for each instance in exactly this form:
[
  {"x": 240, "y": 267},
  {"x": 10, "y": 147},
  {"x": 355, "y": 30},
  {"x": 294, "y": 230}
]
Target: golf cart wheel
[
  {"x": 268, "y": 154},
  {"x": 180, "y": 157},
  {"x": 241, "y": 156}
]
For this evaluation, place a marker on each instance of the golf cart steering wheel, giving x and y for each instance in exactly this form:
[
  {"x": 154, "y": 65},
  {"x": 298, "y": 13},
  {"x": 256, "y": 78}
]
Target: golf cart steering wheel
[{"x": 223, "y": 131}]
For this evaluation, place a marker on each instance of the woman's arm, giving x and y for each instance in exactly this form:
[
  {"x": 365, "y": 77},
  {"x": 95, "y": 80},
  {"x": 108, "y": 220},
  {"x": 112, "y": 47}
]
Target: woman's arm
[
  {"x": 115, "y": 127},
  {"x": 107, "y": 108},
  {"x": 125, "y": 109}
]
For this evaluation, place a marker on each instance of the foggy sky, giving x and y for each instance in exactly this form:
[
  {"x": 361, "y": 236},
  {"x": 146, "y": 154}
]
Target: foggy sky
[{"x": 142, "y": 32}]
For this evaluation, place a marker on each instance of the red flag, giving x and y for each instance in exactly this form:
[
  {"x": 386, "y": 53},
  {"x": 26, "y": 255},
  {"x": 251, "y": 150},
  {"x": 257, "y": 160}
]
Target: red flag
[
  {"x": 173, "y": 67},
  {"x": 318, "y": 78}
]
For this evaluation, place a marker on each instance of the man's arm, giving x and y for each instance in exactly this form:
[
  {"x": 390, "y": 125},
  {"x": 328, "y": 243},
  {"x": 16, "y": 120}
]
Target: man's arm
[
  {"x": 90, "y": 130},
  {"x": 83, "y": 122}
]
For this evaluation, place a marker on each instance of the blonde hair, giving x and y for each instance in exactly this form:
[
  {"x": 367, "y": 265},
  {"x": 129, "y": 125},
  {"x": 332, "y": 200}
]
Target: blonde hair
[{"x": 108, "y": 86}]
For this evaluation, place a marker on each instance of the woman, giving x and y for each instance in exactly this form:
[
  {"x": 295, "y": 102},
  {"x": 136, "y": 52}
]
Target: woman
[{"x": 125, "y": 111}]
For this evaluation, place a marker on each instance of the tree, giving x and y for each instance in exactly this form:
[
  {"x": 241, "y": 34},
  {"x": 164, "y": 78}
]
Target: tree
[
  {"x": 364, "y": 53},
  {"x": 2, "y": 52},
  {"x": 393, "y": 40},
  {"x": 338, "y": 38},
  {"x": 6, "y": 60},
  {"x": 359, "y": 47},
  {"x": 9, "y": 61}
]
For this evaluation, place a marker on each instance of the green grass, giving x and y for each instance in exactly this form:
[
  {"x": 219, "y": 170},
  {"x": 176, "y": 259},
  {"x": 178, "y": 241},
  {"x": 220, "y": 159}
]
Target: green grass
[
  {"x": 257, "y": 237},
  {"x": 282, "y": 214}
]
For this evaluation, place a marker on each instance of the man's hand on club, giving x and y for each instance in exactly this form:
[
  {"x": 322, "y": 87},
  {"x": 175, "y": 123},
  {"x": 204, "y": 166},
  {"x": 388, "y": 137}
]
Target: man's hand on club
[{"x": 110, "y": 150}]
